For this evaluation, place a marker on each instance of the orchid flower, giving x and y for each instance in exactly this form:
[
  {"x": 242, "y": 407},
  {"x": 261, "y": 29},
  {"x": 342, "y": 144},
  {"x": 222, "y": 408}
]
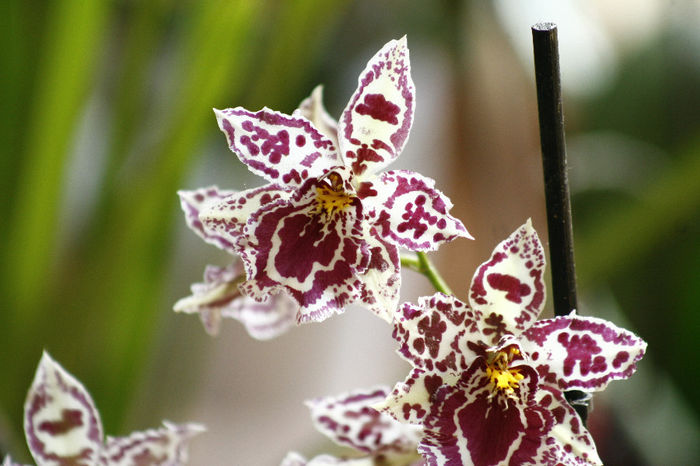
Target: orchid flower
[
  {"x": 349, "y": 420},
  {"x": 327, "y": 227},
  {"x": 63, "y": 427},
  {"x": 488, "y": 380},
  {"x": 219, "y": 296}
]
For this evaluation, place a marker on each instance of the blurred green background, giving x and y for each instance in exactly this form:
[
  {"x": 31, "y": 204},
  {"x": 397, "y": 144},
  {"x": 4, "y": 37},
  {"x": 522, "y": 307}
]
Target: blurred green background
[{"x": 106, "y": 112}]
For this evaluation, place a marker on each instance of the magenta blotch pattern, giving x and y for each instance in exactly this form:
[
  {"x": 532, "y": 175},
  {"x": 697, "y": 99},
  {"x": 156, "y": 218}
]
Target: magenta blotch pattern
[{"x": 488, "y": 379}]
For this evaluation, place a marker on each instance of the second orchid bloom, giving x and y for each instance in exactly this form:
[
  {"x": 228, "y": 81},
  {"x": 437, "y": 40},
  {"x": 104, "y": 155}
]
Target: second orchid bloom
[{"x": 327, "y": 227}]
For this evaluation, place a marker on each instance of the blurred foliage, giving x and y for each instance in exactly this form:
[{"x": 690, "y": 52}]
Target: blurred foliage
[{"x": 132, "y": 84}]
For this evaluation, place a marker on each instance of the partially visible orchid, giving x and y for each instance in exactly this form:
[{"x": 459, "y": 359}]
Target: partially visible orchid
[
  {"x": 489, "y": 379},
  {"x": 219, "y": 296},
  {"x": 350, "y": 420},
  {"x": 327, "y": 227},
  {"x": 63, "y": 428}
]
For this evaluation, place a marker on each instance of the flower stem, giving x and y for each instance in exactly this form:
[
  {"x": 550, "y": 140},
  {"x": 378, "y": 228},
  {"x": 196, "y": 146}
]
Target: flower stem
[{"x": 421, "y": 264}]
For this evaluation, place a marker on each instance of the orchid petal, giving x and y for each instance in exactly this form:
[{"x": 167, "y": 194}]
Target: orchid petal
[
  {"x": 295, "y": 459},
  {"x": 568, "y": 442},
  {"x": 7, "y": 461},
  {"x": 312, "y": 109},
  {"x": 194, "y": 202},
  {"x": 61, "y": 422},
  {"x": 382, "y": 280},
  {"x": 437, "y": 334},
  {"x": 376, "y": 122},
  {"x": 410, "y": 212},
  {"x": 350, "y": 420},
  {"x": 166, "y": 446},
  {"x": 316, "y": 257},
  {"x": 227, "y": 219},
  {"x": 410, "y": 401},
  {"x": 219, "y": 297},
  {"x": 583, "y": 353},
  {"x": 508, "y": 290},
  {"x": 281, "y": 148}
]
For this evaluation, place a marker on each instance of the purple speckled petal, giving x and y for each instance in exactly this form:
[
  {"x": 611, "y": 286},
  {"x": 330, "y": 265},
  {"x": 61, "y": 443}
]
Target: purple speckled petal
[
  {"x": 61, "y": 423},
  {"x": 166, "y": 446},
  {"x": 281, "y": 148},
  {"x": 219, "y": 297},
  {"x": 568, "y": 442},
  {"x": 349, "y": 420},
  {"x": 375, "y": 124},
  {"x": 227, "y": 219},
  {"x": 508, "y": 290},
  {"x": 410, "y": 400},
  {"x": 584, "y": 353},
  {"x": 314, "y": 255},
  {"x": 382, "y": 281},
  {"x": 439, "y": 334},
  {"x": 409, "y": 211},
  {"x": 312, "y": 109},
  {"x": 194, "y": 202}
]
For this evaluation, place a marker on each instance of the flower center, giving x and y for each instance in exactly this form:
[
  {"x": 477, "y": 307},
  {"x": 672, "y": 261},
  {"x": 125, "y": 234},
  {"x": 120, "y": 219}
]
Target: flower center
[
  {"x": 331, "y": 197},
  {"x": 502, "y": 377}
]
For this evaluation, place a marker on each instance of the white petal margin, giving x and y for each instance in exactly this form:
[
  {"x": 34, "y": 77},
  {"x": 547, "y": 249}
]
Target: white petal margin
[
  {"x": 166, "y": 446},
  {"x": 61, "y": 423},
  {"x": 508, "y": 289},
  {"x": 582, "y": 353},
  {"x": 375, "y": 124},
  {"x": 312, "y": 109},
  {"x": 411, "y": 213},
  {"x": 198, "y": 200},
  {"x": 281, "y": 148}
]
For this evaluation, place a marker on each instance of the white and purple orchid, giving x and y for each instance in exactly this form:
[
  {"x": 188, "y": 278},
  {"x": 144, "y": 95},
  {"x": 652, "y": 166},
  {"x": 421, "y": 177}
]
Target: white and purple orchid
[
  {"x": 350, "y": 420},
  {"x": 489, "y": 379},
  {"x": 219, "y": 295},
  {"x": 327, "y": 227},
  {"x": 63, "y": 427}
]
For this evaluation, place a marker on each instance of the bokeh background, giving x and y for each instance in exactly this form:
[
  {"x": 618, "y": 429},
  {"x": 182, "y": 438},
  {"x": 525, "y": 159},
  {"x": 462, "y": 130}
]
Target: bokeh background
[{"x": 106, "y": 112}]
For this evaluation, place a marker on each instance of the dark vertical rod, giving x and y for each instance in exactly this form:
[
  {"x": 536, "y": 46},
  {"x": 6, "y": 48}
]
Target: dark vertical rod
[{"x": 556, "y": 184}]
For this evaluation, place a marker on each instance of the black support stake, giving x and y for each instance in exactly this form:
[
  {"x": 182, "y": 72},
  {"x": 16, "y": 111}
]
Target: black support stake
[{"x": 556, "y": 185}]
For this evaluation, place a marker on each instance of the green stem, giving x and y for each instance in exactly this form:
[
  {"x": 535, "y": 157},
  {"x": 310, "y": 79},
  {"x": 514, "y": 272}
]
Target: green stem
[{"x": 421, "y": 264}]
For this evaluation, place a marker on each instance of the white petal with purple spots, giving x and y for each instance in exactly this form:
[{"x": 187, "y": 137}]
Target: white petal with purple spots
[
  {"x": 61, "y": 422},
  {"x": 508, "y": 290},
  {"x": 408, "y": 210},
  {"x": 281, "y": 148},
  {"x": 350, "y": 420},
  {"x": 166, "y": 446},
  {"x": 584, "y": 353},
  {"x": 198, "y": 200},
  {"x": 376, "y": 122}
]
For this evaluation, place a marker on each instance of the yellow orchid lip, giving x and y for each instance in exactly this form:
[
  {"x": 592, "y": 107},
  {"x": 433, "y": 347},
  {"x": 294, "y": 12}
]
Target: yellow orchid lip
[
  {"x": 331, "y": 197},
  {"x": 502, "y": 377}
]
